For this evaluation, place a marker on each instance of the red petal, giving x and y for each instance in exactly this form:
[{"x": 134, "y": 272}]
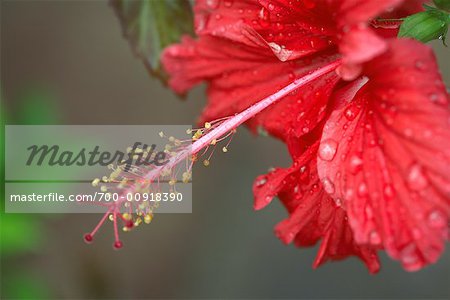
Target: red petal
[
  {"x": 240, "y": 76},
  {"x": 386, "y": 152},
  {"x": 288, "y": 35},
  {"x": 312, "y": 213},
  {"x": 359, "y": 45}
]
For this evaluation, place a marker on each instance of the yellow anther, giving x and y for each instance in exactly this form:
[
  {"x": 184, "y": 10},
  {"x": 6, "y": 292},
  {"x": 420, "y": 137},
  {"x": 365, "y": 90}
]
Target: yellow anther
[
  {"x": 194, "y": 157},
  {"x": 171, "y": 139},
  {"x": 148, "y": 218},
  {"x": 126, "y": 216},
  {"x": 110, "y": 166},
  {"x": 111, "y": 217},
  {"x": 105, "y": 179},
  {"x": 115, "y": 174},
  {"x": 207, "y": 125},
  {"x": 186, "y": 177},
  {"x": 197, "y": 134},
  {"x": 161, "y": 134},
  {"x": 125, "y": 229},
  {"x": 206, "y": 162},
  {"x": 172, "y": 181},
  {"x": 137, "y": 222},
  {"x": 224, "y": 149},
  {"x": 213, "y": 142},
  {"x": 189, "y": 131},
  {"x": 95, "y": 182},
  {"x": 103, "y": 188}
]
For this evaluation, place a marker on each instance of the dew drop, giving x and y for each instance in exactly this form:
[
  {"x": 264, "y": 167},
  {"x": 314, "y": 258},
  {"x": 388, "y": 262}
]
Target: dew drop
[
  {"x": 408, "y": 255},
  {"x": 264, "y": 17},
  {"x": 328, "y": 186},
  {"x": 261, "y": 182},
  {"x": 271, "y": 6},
  {"x": 416, "y": 178},
  {"x": 212, "y": 3},
  {"x": 355, "y": 164},
  {"x": 389, "y": 191},
  {"x": 275, "y": 47},
  {"x": 420, "y": 65},
  {"x": 362, "y": 190},
  {"x": 374, "y": 238},
  {"x": 436, "y": 219},
  {"x": 437, "y": 98},
  {"x": 349, "y": 194},
  {"x": 228, "y": 3},
  {"x": 328, "y": 149},
  {"x": 351, "y": 112}
]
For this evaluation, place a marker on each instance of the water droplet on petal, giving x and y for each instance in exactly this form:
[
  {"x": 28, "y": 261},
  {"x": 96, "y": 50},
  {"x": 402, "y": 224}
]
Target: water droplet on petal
[
  {"x": 328, "y": 149},
  {"x": 328, "y": 186},
  {"x": 362, "y": 190},
  {"x": 264, "y": 17},
  {"x": 271, "y": 6},
  {"x": 212, "y": 3},
  {"x": 369, "y": 212},
  {"x": 389, "y": 191},
  {"x": 228, "y": 3},
  {"x": 408, "y": 255},
  {"x": 436, "y": 219},
  {"x": 355, "y": 164},
  {"x": 416, "y": 178},
  {"x": 261, "y": 182},
  {"x": 351, "y": 112},
  {"x": 374, "y": 238},
  {"x": 437, "y": 98},
  {"x": 349, "y": 194},
  {"x": 275, "y": 47},
  {"x": 420, "y": 65}
]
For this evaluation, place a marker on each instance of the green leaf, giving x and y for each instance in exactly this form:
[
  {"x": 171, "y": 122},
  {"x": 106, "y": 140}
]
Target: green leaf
[
  {"x": 426, "y": 26},
  {"x": 152, "y": 25}
]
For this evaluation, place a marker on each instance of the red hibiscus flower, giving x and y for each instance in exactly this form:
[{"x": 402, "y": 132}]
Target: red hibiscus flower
[{"x": 371, "y": 158}]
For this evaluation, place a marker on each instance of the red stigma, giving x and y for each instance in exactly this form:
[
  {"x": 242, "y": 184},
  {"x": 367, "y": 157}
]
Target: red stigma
[
  {"x": 117, "y": 245},
  {"x": 88, "y": 238}
]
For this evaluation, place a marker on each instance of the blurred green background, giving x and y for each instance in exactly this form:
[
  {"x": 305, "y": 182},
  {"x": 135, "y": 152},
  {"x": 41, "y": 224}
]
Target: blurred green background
[{"x": 65, "y": 62}]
